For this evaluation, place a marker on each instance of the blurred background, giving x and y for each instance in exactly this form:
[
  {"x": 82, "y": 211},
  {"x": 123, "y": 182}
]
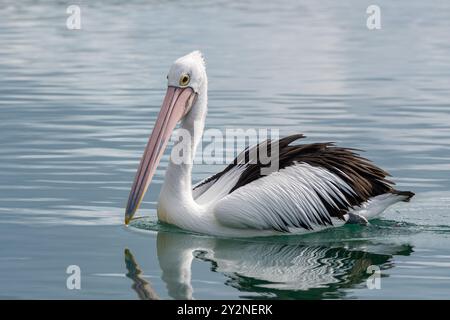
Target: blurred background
[{"x": 77, "y": 106}]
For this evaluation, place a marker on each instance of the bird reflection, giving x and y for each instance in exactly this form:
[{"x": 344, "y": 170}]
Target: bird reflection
[
  {"x": 264, "y": 269},
  {"x": 140, "y": 285}
]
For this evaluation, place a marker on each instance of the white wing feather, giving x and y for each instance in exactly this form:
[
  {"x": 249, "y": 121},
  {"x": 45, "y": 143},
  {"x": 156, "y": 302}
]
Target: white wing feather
[
  {"x": 214, "y": 190},
  {"x": 290, "y": 198}
]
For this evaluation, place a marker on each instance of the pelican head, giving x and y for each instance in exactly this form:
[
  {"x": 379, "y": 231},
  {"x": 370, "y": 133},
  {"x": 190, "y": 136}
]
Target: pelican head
[
  {"x": 188, "y": 71},
  {"x": 186, "y": 78}
]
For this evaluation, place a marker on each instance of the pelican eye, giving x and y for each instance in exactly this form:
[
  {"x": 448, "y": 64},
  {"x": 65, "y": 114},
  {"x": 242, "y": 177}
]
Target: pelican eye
[{"x": 184, "y": 80}]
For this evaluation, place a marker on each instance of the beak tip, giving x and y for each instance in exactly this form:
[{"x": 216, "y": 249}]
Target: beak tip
[
  {"x": 127, "y": 219},
  {"x": 129, "y": 213}
]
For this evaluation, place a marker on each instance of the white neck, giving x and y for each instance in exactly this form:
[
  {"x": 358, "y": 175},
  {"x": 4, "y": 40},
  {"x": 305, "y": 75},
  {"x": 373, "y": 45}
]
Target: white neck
[{"x": 176, "y": 200}]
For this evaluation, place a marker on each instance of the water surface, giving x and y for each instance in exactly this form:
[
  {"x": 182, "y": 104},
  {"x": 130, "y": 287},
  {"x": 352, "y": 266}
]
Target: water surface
[{"x": 77, "y": 107}]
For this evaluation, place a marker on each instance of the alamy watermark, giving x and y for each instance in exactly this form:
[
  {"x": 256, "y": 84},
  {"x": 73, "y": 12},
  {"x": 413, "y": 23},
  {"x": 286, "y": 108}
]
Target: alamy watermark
[
  {"x": 373, "y": 21},
  {"x": 73, "y": 281},
  {"x": 374, "y": 280},
  {"x": 73, "y": 22},
  {"x": 245, "y": 146}
]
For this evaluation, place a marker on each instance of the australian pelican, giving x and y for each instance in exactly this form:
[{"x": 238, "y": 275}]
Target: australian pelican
[{"x": 318, "y": 185}]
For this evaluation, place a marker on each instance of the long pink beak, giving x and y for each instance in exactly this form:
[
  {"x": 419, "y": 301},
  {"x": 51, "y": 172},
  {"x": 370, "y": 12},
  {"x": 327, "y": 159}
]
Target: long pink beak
[{"x": 177, "y": 103}]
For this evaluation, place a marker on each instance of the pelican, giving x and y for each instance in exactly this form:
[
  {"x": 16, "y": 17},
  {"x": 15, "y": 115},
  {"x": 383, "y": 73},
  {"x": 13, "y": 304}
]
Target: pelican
[{"x": 316, "y": 186}]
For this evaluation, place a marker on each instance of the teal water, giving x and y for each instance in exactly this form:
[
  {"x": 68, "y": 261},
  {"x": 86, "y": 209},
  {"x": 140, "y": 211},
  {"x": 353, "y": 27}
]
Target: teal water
[{"x": 76, "y": 109}]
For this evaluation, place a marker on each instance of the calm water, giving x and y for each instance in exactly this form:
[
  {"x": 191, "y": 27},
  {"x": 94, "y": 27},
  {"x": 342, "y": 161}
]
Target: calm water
[{"x": 76, "y": 109}]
